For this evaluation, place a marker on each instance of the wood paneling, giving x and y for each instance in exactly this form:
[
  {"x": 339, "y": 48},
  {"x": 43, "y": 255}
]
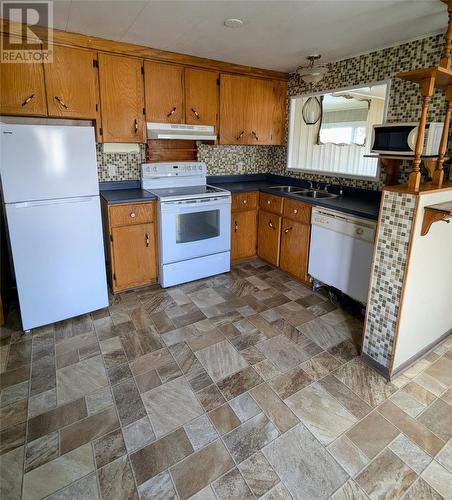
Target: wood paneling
[
  {"x": 171, "y": 150},
  {"x": 164, "y": 92},
  {"x": 201, "y": 97},
  {"x": 295, "y": 238},
  {"x": 271, "y": 203},
  {"x": 244, "y": 201},
  {"x": 297, "y": 211},
  {"x": 243, "y": 234},
  {"x": 71, "y": 83},
  {"x": 131, "y": 213},
  {"x": 233, "y": 109},
  {"x": 122, "y": 99},
  {"x": 134, "y": 255},
  {"x": 22, "y": 90},
  {"x": 268, "y": 237},
  {"x": 99, "y": 44}
]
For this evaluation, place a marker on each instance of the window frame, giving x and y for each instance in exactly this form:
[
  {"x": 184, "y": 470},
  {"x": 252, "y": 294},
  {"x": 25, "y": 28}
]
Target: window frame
[{"x": 326, "y": 173}]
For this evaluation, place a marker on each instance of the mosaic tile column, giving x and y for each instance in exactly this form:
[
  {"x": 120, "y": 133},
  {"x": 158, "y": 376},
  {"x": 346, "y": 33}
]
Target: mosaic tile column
[{"x": 387, "y": 276}]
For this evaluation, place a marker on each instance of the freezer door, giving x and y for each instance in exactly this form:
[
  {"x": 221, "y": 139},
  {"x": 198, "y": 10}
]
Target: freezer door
[
  {"x": 58, "y": 258},
  {"x": 42, "y": 162}
]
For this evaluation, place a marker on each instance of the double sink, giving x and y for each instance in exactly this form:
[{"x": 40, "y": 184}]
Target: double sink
[{"x": 309, "y": 193}]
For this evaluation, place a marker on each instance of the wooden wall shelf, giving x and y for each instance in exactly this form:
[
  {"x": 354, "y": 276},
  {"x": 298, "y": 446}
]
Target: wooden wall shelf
[
  {"x": 436, "y": 213},
  {"x": 442, "y": 76}
]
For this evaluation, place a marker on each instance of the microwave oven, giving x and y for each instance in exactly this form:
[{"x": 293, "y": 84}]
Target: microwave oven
[{"x": 400, "y": 138}]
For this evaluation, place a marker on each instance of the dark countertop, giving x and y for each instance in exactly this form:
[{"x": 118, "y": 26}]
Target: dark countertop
[
  {"x": 359, "y": 202},
  {"x": 132, "y": 195}
]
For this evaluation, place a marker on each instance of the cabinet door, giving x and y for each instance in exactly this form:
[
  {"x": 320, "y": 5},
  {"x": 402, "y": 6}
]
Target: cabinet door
[
  {"x": 201, "y": 97},
  {"x": 279, "y": 112},
  {"x": 233, "y": 109},
  {"x": 243, "y": 234},
  {"x": 22, "y": 89},
  {"x": 71, "y": 83},
  {"x": 295, "y": 248},
  {"x": 164, "y": 92},
  {"x": 269, "y": 234},
  {"x": 122, "y": 99},
  {"x": 259, "y": 120},
  {"x": 134, "y": 255}
]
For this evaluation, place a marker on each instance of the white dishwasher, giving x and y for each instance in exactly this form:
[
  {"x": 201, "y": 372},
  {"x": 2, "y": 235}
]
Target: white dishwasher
[{"x": 341, "y": 251}]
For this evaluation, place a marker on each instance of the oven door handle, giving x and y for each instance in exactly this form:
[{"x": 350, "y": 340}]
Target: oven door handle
[{"x": 198, "y": 204}]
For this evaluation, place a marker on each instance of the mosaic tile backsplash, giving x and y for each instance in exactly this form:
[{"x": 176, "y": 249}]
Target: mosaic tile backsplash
[
  {"x": 404, "y": 105},
  {"x": 391, "y": 253}
]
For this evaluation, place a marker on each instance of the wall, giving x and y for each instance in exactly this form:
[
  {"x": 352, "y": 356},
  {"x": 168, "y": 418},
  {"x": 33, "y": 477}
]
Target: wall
[
  {"x": 426, "y": 308},
  {"x": 404, "y": 105}
]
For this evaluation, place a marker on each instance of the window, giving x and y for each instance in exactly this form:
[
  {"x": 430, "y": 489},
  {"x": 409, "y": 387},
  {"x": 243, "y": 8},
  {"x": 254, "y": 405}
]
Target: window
[{"x": 338, "y": 142}]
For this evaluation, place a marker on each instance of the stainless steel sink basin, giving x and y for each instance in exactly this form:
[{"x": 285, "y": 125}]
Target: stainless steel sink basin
[
  {"x": 318, "y": 194},
  {"x": 288, "y": 189}
]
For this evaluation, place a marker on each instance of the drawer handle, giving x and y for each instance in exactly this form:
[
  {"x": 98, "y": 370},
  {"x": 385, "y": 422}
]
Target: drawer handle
[
  {"x": 28, "y": 99},
  {"x": 236, "y": 226},
  {"x": 240, "y": 135},
  {"x": 244, "y": 201},
  {"x": 270, "y": 223},
  {"x": 147, "y": 240},
  {"x": 171, "y": 112},
  {"x": 133, "y": 215},
  {"x": 195, "y": 113},
  {"x": 255, "y": 135},
  {"x": 288, "y": 229},
  {"x": 268, "y": 202},
  {"x": 61, "y": 102},
  {"x": 295, "y": 210}
]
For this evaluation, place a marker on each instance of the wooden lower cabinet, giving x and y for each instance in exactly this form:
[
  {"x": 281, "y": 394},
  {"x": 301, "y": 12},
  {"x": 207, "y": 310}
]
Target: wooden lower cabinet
[
  {"x": 132, "y": 253},
  {"x": 269, "y": 236},
  {"x": 295, "y": 249},
  {"x": 243, "y": 234}
]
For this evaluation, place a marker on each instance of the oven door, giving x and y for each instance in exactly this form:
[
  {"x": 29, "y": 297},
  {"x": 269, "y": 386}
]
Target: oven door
[{"x": 194, "y": 228}]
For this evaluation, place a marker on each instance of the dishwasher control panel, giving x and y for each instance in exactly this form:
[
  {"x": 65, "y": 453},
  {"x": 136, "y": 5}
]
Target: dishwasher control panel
[{"x": 356, "y": 227}]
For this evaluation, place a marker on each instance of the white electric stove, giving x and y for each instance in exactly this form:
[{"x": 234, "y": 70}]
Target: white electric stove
[{"x": 194, "y": 221}]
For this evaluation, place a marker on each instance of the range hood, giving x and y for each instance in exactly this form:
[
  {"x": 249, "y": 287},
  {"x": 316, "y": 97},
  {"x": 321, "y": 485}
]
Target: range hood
[{"x": 181, "y": 131}]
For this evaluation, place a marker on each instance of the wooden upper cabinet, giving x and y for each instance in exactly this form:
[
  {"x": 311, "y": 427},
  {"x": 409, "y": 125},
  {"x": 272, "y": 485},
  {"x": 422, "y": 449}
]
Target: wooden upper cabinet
[
  {"x": 122, "y": 99},
  {"x": 279, "y": 112},
  {"x": 164, "y": 92},
  {"x": 233, "y": 109},
  {"x": 22, "y": 90},
  {"x": 201, "y": 97},
  {"x": 260, "y": 102},
  {"x": 71, "y": 83}
]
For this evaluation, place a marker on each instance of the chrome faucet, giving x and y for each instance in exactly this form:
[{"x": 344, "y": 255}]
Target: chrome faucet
[
  {"x": 341, "y": 185},
  {"x": 326, "y": 186}
]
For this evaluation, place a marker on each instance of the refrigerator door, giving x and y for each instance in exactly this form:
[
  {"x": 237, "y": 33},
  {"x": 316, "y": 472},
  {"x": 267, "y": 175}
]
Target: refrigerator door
[
  {"x": 42, "y": 162},
  {"x": 58, "y": 258}
]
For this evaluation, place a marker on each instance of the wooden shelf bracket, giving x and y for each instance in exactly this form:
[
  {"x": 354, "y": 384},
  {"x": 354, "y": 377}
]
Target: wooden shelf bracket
[{"x": 436, "y": 213}]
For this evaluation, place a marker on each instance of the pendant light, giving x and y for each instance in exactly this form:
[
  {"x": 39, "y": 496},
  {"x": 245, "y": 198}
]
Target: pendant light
[{"x": 312, "y": 108}]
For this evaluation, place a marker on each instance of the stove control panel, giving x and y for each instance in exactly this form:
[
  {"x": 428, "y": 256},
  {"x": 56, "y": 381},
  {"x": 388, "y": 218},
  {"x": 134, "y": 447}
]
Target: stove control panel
[{"x": 176, "y": 169}]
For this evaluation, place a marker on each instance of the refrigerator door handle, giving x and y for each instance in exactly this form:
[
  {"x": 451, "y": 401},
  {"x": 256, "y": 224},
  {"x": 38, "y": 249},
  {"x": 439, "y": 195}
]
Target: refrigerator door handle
[{"x": 59, "y": 201}]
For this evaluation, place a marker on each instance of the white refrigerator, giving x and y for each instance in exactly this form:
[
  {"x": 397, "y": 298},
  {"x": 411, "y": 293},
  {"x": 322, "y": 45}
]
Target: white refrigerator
[{"x": 51, "y": 200}]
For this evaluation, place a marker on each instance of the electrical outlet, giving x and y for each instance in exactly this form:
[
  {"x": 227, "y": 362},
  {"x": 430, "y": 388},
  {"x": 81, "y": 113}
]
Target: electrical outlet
[
  {"x": 240, "y": 166},
  {"x": 111, "y": 170}
]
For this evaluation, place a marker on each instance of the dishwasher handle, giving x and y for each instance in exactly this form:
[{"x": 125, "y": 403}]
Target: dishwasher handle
[{"x": 353, "y": 227}]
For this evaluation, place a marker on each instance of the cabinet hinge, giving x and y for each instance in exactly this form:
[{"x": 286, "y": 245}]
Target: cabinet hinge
[
  {"x": 97, "y": 107},
  {"x": 144, "y": 111},
  {"x": 142, "y": 70},
  {"x": 101, "y": 131},
  {"x": 218, "y": 81},
  {"x": 114, "y": 276},
  {"x": 95, "y": 63},
  {"x": 111, "y": 237}
]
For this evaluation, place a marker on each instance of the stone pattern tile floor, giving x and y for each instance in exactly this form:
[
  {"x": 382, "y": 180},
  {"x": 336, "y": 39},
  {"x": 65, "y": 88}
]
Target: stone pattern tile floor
[{"x": 243, "y": 385}]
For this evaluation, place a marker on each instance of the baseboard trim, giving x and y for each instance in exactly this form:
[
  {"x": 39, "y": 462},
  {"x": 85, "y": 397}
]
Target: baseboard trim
[
  {"x": 382, "y": 370},
  {"x": 414, "y": 359}
]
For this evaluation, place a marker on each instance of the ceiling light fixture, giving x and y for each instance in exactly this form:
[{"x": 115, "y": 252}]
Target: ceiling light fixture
[
  {"x": 233, "y": 23},
  {"x": 312, "y": 74}
]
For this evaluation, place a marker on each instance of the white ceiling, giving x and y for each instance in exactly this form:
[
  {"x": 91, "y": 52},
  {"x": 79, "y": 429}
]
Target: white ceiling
[{"x": 276, "y": 34}]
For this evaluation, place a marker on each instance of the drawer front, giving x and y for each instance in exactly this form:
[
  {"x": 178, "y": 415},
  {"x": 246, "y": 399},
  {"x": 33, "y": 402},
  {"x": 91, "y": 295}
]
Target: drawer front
[
  {"x": 271, "y": 203},
  {"x": 297, "y": 211},
  {"x": 244, "y": 201},
  {"x": 131, "y": 213}
]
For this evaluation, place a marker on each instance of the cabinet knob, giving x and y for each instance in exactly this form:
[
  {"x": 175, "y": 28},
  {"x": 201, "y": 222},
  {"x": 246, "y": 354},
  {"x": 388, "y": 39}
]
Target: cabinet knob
[
  {"x": 244, "y": 201},
  {"x": 133, "y": 215},
  {"x": 61, "y": 102},
  {"x": 270, "y": 223},
  {"x": 268, "y": 202},
  {"x": 287, "y": 230},
  {"x": 255, "y": 135},
  {"x": 171, "y": 112},
  {"x": 28, "y": 99},
  {"x": 147, "y": 239},
  {"x": 136, "y": 125},
  {"x": 195, "y": 113},
  {"x": 240, "y": 135},
  {"x": 295, "y": 210},
  {"x": 236, "y": 226}
]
